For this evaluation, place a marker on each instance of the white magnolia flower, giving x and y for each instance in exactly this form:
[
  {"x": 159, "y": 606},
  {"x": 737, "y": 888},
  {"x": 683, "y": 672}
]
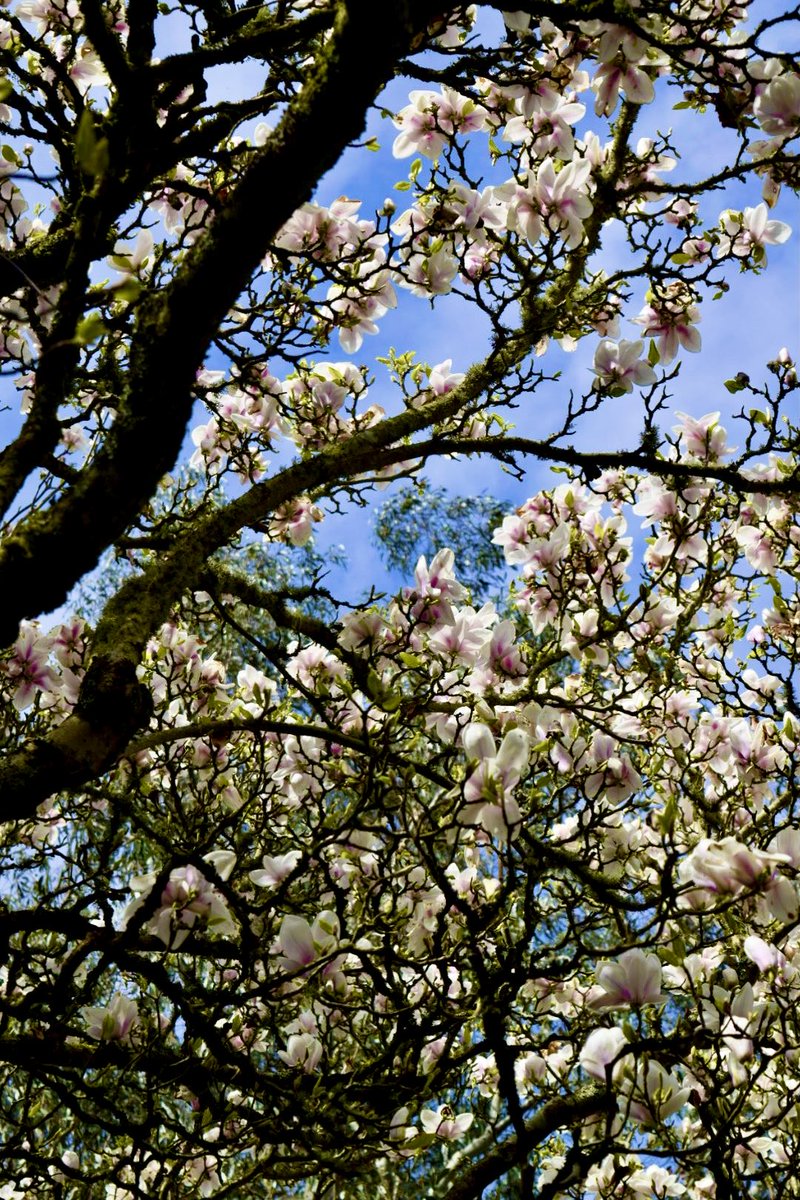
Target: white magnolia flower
[
  {"x": 619, "y": 365},
  {"x": 600, "y": 1050},
  {"x": 276, "y": 869},
  {"x": 113, "y": 1022},
  {"x": 445, "y": 1123},
  {"x": 633, "y": 979}
]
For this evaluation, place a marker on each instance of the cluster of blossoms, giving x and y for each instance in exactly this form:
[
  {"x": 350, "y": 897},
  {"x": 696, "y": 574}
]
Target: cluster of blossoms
[
  {"x": 460, "y": 231},
  {"x": 45, "y": 668},
  {"x": 745, "y": 234},
  {"x": 244, "y": 421},
  {"x": 670, "y": 317},
  {"x": 184, "y": 207},
  {"x": 431, "y": 120},
  {"x": 187, "y": 901},
  {"x": 363, "y": 292},
  {"x": 315, "y": 405}
]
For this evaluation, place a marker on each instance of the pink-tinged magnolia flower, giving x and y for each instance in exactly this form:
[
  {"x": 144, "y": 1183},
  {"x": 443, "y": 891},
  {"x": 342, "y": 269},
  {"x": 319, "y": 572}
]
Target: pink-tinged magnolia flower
[
  {"x": 787, "y": 844},
  {"x": 113, "y": 1022},
  {"x": 464, "y": 633},
  {"x": 300, "y": 944},
  {"x": 653, "y": 1095},
  {"x": 444, "y": 1123},
  {"x": 430, "y": 1054},
  {"x": 27, "y": 668},
  {"x": 632, "y": 979},
  {"x": 188, "y": 899},
  {"x": 515, "y": 536},
  {"x": 88, "y": 71},
  {"x": 737, "y": 1028},
  {"x": 671, "y": 318},
  {"x": 600, "y": 1050},
  {"x": 747, "y": 233},
  {"x": 326, "y": 233},
  {"x": 766, "y": 956},
  {"x": 442, "y": 380},
  {"x": 276, "y": 869},
  {"x": 355, "y": 308},
  {"x": 429, "y": 272},
  {"x": 547, "y": 130},
  {"x": 619, "y": 365},
  {"x": 702, "y": 438},
  {"x": 655, "y": 1181},
  {"x": 777, "y": 107},
  {"x": 758, "y": 547},
  {"x": 399, "y": 1129},
  {"x": 725, "y": 869},
  {"x": 435, "y": 587},
  {"x": 431, "y": 119},
  {"x": 302, "y": 1050},
  {"x": 630, "y": 78},
  {"x": 49, "y": 14},
  {"x": 223, "y": 862},
  {"x": 559, "y": 201},
  {"x": 131, "y": 260},
  {"x": 504, "y": 655},
  {"x": 203, "y": 1173},
  {"x": 452, "y": 35},
  {"x": 489, "y": 787},
  {"x": 294, "y": 521},
  {"x": 696, "y": 250},
  {"x": 296, "y": 943},
  {"x": 620, "y": 54},
  {"x": 519, "y": 22},
  {"x": 255, "y": 688},
  {"x": 782, "y": 899},
  {"x": 69, "y": 641},
  {"x": 563, "y": 198}
]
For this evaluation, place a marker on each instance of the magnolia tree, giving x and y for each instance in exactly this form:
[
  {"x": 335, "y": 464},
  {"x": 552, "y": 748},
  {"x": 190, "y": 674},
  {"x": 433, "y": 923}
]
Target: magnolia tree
[{"x": 423, "y": 896}]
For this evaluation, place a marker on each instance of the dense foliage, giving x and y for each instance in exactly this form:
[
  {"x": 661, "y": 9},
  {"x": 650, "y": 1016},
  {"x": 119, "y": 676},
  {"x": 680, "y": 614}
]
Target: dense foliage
[{"x": 425, "y": 896}]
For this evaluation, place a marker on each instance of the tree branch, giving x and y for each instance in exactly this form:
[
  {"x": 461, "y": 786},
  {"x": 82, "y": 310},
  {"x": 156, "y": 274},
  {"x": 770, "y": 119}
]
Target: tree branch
[
  {"x": 557, "y": 1114},
  {"x": 175, "y": 327}
]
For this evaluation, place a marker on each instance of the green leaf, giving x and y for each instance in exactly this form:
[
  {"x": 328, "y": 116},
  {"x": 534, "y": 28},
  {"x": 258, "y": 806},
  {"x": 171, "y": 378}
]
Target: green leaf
[
  {"x": 6, "y": 88},
  {"x": 666, "y": 819},
  {"x": 128, "y": 289},
  {"x": 653, "y": 357},
  {"x": 373, "y": 144},
  {"x": 734, "y": 386},
  {"x": 91, "y": 152},
  {"x": 421, "y": 1142},
  {"x": 89, "y": 329},
  {"x": 402, "y": 186},
  {"x": 10, "y": 155}
]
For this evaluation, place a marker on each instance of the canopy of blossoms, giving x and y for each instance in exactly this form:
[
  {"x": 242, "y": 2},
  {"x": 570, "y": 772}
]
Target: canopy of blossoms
[{"x": 432, "y": 893}]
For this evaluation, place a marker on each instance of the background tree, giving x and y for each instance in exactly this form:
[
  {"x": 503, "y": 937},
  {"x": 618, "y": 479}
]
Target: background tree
[
  {"x": 415, "y": 520},
  {"x": 402, "y": 897}
]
